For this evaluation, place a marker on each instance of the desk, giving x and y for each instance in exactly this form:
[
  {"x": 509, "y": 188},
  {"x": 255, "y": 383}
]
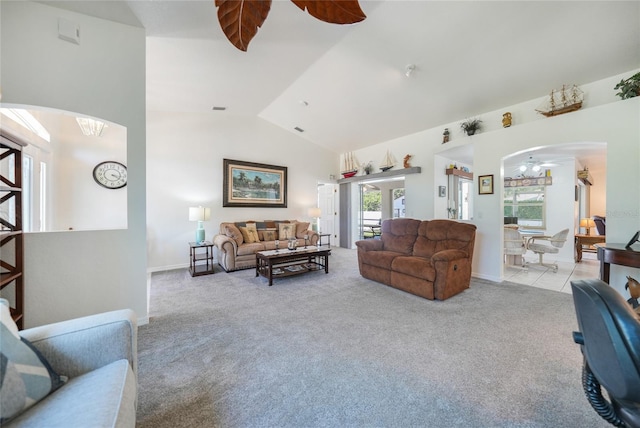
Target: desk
[
  {"x": 586, "y": 240},
  {"x": 617, "y": 254}
]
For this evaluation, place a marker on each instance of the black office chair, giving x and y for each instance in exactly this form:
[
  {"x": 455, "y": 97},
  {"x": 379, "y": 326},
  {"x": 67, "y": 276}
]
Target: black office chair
[{"x": 610, "y": 340}]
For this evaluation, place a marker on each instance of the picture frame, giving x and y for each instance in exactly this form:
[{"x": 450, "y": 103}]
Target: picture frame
[
  {"x": 251, "y": 184},
  {"x": 485, "y": 184},
  {"x": 442, "y": 191}
]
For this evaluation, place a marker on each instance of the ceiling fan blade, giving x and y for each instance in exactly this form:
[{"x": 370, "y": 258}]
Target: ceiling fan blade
[
  {"x": 240, "y": 19},
  {"x": 333, "y": 11}
]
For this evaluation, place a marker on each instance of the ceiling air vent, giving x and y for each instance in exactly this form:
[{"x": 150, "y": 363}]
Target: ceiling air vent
[
  {"x": 215, "y": 108},
  {"x": 297, "y": 128}
]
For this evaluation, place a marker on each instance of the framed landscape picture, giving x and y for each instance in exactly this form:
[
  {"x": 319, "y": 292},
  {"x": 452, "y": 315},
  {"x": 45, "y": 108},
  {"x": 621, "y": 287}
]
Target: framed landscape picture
[
  {"x": 249, "y": 184},
  {"x": 485, "y": 184}
]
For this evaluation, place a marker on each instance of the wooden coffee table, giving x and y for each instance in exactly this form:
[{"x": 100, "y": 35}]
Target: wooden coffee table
[{"x": 281, "y": 263}]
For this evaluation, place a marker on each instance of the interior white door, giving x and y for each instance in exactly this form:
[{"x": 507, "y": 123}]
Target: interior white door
[{"x": 326, "y": 201}]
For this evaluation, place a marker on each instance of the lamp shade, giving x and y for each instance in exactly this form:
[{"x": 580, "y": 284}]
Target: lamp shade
[
  {"x": 199, "y": 213},
  {"x": 587, "y": 222},
  {"x": 315, "y": 212}
]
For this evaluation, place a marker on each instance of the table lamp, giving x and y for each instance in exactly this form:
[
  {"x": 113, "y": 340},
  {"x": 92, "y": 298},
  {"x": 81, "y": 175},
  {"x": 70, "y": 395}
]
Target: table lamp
[
  {"x": 315, "y": 213},
  {"x": 199, "y": 214},
  {"x": 587, "y": 223}
]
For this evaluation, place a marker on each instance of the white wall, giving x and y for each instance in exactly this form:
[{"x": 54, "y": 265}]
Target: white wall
[
  {"x": 80, "y": 203},
  {"x": 69, "y": 274},
  {"x": 185, "y": 152},
  {"x": 603, "y": 118}
]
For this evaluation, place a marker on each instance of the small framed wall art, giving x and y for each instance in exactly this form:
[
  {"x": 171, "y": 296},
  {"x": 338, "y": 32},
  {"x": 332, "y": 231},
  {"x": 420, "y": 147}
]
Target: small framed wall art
[
  {"x": 485, "y": 184},
  {"x": 442, "y": 191}
]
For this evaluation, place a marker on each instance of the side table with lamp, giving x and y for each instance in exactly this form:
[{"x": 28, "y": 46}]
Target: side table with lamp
[
  {"x": 587, "y": 239},
  {"x": 200, "y": 251}
]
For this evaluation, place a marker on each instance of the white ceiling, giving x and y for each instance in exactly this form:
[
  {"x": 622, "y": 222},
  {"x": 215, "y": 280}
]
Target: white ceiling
[{"x": 470, "y": 57}]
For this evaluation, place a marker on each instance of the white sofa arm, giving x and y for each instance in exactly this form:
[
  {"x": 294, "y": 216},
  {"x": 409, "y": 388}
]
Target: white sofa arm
[{"x": 84, "y": 344}]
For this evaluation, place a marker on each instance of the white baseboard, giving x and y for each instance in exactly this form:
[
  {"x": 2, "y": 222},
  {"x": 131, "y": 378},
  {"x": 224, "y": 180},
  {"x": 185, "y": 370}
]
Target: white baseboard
[
  {"x": 166, "y": 268},
  {"x": 487, "y": 277}
]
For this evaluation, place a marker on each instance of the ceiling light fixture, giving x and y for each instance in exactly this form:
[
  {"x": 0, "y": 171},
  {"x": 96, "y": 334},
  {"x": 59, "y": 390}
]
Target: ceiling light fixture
[
  {"x": 409, "y": 70},
  {"x": 91, "y": 127},
  {"x": 531, "y": 165}
]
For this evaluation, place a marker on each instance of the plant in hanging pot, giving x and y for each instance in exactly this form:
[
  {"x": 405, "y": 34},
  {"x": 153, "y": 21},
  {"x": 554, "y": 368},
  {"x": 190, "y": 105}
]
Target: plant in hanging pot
[
  {"x": 470, "y": 126},
  {"x": 629, "y": 88}
]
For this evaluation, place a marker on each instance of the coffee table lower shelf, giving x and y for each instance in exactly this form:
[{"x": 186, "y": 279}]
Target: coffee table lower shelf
[{"x": 279, "y": 264}]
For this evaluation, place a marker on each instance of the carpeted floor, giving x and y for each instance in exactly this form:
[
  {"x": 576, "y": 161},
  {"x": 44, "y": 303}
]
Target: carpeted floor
[{"x": 337, "y": 350}]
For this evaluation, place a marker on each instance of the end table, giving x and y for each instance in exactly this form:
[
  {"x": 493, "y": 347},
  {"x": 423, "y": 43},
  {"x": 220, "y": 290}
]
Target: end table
[
  {"x": 200, "y": 258},
  {"x": 324, "y": 235}
]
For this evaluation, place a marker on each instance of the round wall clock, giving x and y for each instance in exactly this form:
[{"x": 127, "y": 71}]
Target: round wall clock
[{"x": 110, "y": 174}]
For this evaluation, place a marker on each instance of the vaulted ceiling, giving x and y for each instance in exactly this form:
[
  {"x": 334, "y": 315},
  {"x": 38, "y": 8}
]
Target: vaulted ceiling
[{"x": 345, "y": 85}]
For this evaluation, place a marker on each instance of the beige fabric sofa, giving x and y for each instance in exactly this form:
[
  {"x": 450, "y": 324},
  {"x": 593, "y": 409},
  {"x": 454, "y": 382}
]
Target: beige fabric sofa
[{"x": 237, "y": 248}]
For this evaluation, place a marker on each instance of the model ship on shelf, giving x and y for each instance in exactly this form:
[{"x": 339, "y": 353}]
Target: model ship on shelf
[
  {"x": 388, "y": 162},
  {"x": 565, "y": 100},
  {"x": 349, "y": 165}
]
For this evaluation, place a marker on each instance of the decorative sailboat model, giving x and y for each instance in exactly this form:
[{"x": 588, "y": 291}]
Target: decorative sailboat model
[
  {"x": 388, "y": 162},
  {"x": 349, "y": 165},
  {"x": 568, "y": 99}
]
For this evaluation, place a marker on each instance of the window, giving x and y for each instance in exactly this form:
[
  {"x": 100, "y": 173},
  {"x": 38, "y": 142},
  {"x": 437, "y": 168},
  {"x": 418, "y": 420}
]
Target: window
[{"x": 527, "y": 204}]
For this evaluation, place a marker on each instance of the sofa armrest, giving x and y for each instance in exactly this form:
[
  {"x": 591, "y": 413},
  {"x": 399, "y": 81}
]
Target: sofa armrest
[
  {"x": 313, "y": 236},
  {"x": 226, "y": 244},
  {"x": 449, "y": 255},
  {"x": 84, "y": 344},
  {"x": 370, "y": 245},
  {"x": 453, "y": 273}
]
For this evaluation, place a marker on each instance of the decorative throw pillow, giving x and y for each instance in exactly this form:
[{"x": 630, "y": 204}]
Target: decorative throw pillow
[
  {"x": 301, "y": 229},
  {"x": 250, "y": 234},
  {"x": 25, "y": 375},
  {"x": 270, "y": 235},
  {"x": 234, "y": 233},
  {"x": 286, "y": 231}
]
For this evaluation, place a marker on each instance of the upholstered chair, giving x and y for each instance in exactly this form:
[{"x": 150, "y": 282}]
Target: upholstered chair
[{"x": 555, "y": 243}]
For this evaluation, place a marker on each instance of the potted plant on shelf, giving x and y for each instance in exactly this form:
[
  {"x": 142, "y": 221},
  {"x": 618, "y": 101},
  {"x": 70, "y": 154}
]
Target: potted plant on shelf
[
  {"x": 629, "y": 88},
  {"x": 470, "y": 126}
]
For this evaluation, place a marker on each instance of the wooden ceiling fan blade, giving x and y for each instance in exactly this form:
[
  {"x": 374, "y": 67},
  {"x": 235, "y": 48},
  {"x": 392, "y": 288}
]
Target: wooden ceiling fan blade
[
  {"x": 333, "y": 11},
  {"x": 240, "y": 19}
]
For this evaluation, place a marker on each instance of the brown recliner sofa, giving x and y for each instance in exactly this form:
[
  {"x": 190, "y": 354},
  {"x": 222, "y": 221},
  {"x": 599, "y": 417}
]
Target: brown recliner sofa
[{"x": 428, "y": 258}]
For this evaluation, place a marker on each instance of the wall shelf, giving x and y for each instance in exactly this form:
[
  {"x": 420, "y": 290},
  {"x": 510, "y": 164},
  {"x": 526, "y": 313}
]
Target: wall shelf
[
  {"x": 459, "y": 173},
  {"x": 385, "y": 174}
]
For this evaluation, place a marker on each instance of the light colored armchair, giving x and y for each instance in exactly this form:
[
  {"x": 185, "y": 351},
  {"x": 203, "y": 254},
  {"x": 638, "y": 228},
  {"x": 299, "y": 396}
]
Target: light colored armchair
[
  {"x": 98, "y": 354},
  {"x": 556, "y": 242}
]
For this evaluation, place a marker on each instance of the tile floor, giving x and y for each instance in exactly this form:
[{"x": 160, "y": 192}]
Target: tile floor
[{"x": 540, "y": 276}]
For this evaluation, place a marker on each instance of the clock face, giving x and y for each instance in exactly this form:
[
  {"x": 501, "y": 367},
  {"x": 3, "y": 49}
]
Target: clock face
[{"x": 112, "y": 175}]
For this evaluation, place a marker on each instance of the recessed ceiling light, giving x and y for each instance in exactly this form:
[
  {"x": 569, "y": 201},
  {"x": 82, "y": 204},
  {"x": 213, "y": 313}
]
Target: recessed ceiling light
[
  {"x": 219, "y": 108},
  {"x": 409, "y": 69}
]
